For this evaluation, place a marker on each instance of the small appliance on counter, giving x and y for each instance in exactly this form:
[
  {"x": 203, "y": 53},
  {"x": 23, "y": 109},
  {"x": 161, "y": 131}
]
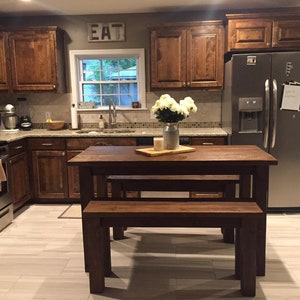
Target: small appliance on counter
[
  {"x": 25, "y": 123},
  {"x": 9, "y": 119}
]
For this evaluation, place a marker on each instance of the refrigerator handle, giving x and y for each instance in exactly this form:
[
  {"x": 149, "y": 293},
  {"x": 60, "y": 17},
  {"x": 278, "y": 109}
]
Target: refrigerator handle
[
  {"x": 267, "y": 113},
  {"x": 274, "y": 113}
]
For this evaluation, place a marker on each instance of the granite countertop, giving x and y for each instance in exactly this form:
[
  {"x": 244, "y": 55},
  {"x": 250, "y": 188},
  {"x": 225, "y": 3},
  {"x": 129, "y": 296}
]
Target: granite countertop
[{"x": 134, "y": 132}]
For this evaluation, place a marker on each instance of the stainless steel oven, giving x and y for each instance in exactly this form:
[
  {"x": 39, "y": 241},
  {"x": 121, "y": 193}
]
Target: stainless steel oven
[{"x": 6, "y": 207}]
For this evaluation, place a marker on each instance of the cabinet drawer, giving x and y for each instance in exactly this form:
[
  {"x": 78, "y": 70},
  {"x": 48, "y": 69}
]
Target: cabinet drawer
[
  {"x": 83, "y": 143},
  {"x": 46, "y": 144},
  {"x": 208, "y": 141},
  {"x": 17, "y": 147}
]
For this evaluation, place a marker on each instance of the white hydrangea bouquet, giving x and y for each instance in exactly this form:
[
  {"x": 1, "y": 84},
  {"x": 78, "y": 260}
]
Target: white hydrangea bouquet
[{"x": 167, "y": 110}]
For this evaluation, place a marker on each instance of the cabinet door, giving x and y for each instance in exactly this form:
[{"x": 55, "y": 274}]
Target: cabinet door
[
  {"x": 205, "y": 56},
  {"x": 286, "y": 34},
  {"x": 168, "y": 58},
  {"x": 33, "y": 60},
  {"x": 249, "y": 34},
  {"x": 50, "y": 174},
  {"x": 3, "y": 62},
  {"x": 19, "y": 179}
]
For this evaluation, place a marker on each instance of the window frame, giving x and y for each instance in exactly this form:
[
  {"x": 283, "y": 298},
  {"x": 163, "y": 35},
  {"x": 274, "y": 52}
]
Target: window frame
[{"x": 77, "y": 55}]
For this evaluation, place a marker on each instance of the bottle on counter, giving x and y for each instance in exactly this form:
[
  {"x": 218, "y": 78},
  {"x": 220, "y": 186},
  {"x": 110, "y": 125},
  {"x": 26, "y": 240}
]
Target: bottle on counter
[{"x": 101, "y": 122}]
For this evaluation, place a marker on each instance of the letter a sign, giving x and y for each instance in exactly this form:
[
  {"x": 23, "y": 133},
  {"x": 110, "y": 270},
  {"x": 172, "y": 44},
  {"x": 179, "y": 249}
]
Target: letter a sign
[{"x": 106, "y": 32}]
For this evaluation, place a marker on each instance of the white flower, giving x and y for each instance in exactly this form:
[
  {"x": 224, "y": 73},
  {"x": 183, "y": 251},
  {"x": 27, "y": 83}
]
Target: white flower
[{"x": 168, "y": 110}]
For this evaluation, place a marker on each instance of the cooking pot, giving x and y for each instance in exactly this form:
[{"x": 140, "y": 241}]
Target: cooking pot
[{"x": 10, "y": 121}]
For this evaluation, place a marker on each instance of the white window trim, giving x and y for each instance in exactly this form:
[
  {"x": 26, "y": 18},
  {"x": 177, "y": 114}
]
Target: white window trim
[{"x": 76, "y": 55}]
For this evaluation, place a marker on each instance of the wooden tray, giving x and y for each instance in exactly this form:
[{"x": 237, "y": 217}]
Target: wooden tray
[{"x": 151, "y": 152}]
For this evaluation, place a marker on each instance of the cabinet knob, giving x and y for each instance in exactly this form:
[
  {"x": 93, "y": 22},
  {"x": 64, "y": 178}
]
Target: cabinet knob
[
  {"x": 54, "y": 86},
  {"x": 184, "y": 84},
  {"x": 188, "y": 84}
]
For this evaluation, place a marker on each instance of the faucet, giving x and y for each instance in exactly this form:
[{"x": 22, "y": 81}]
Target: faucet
[{"x": 112, "y": 118}]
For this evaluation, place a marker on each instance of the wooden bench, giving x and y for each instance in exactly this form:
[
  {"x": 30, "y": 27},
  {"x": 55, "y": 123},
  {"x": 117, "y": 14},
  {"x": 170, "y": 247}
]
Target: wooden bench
[
  {"x": 100, "y": 215},
  {"x": 208, "y": 186}
]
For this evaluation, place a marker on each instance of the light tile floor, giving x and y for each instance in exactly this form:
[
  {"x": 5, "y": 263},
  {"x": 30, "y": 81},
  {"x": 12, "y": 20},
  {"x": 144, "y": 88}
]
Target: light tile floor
[{"x": 41, "y": 257}]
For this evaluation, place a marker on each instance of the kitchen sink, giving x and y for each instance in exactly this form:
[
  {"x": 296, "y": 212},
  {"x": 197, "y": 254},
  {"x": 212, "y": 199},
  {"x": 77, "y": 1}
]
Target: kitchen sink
[{"x": 105, "y": 131}]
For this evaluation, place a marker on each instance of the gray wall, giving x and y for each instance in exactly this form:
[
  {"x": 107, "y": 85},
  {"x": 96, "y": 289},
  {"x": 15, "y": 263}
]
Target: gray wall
[{"x": 137, "y": 36}]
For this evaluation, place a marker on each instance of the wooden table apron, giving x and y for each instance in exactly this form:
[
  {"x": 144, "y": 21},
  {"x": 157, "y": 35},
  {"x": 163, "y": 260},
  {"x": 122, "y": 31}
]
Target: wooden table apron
[{"x": 206, "y": 160}]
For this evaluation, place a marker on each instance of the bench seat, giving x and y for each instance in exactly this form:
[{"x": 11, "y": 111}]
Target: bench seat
[
  {"x": 100, "y": 215},
  {"x": 208, "y": 186}
]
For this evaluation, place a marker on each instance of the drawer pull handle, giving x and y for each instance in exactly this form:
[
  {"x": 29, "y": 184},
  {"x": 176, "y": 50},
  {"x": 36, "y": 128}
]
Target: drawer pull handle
[
  {"x": 208, "y": 144},
  {"x": 47, "y": 144},
  {"x": 18, "y": 147}
]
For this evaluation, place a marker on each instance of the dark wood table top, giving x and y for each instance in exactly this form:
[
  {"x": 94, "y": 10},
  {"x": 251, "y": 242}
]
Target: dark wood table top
[{"x": 203, "y": 155}]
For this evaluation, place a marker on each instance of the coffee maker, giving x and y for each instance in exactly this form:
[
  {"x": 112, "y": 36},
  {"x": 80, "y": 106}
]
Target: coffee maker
[{"x": 25, "y": 123}]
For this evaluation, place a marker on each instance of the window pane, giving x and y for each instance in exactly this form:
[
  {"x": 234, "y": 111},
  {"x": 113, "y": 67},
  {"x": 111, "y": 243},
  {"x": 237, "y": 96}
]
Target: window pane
[
  {"x": 107, "y": 100},
  {"x": 91, "y": 70},
  {"x": 91, "y": 88},
  {"x": 110, "y": 88}
]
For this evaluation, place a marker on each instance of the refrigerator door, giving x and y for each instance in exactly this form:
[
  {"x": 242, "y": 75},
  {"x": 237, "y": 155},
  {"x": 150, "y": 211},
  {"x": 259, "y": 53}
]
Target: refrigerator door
[
  {"x": 285, "y": 178},
  {"x": 249, "y": 75}
]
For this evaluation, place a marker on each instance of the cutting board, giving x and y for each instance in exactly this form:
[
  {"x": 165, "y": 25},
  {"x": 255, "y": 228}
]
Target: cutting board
[{"x": 151, "y": 152}]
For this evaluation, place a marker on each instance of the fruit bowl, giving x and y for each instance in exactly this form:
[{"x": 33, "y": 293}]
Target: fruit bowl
[{"x": 55, "y": 125}]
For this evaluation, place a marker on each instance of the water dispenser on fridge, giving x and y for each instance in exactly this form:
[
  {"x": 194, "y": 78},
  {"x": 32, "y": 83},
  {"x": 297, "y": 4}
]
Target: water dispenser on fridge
[{"x": 250, "y": 114}]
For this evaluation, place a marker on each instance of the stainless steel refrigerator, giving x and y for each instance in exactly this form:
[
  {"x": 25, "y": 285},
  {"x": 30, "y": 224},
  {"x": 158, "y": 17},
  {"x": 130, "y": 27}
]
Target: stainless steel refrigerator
[{"x": 251, "y": 113}]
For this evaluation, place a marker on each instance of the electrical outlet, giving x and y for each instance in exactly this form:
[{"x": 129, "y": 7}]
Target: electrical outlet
[{"x": 47, "y": 115}]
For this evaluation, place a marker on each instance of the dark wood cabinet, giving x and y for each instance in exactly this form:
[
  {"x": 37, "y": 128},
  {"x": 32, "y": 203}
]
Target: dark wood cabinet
[
  {"x": 3, "y": 62},
  {"x": 18, "y": 168},
  {"x": 187, "y": 55},
  {"x": 35, "y": 60},
  {"x": 49, "y": 167},
  {"x": 263, "y": 32},
  {"x": 76, "y": 145}
]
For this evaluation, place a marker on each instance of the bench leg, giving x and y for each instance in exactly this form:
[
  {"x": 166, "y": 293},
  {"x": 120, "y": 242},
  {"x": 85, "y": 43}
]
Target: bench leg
[{"x": 248, "y": 257}]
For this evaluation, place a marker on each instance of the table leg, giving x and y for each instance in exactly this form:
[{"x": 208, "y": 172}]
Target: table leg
[
  {"x": 260, "y": 194},
  {"x": 86, "y": 194}
]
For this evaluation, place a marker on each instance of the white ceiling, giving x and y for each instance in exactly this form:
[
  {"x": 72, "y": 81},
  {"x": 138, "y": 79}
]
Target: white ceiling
[{"x": 86, "y": 7}]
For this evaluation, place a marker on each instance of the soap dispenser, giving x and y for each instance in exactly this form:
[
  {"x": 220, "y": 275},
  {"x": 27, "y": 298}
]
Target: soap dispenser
[{"x": 101, "y": 122}]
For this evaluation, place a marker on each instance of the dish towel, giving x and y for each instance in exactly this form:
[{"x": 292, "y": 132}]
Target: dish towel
[{"x": 2, "y": 175}]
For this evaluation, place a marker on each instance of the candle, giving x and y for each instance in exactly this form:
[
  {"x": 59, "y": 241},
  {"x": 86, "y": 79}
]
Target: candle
[{"x": 158, "y": 143}]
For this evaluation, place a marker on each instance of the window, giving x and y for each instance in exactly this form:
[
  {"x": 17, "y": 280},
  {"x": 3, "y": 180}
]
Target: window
[{"x": 100, "y": 77}]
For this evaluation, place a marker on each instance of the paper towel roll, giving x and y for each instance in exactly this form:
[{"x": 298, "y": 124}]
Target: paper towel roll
[{"x": 74, "y": 117}]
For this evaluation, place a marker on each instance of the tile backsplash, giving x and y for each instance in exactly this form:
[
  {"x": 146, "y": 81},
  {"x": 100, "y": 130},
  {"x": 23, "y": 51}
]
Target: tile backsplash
[{"x": 36, "y": 105}]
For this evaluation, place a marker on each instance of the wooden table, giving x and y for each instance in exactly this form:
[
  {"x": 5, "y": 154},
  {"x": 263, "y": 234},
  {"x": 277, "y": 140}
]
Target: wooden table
[{"x": 249, "y": 162}]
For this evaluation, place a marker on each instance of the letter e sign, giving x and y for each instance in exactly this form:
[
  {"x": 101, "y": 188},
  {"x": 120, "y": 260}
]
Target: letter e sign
[{"x": 106, "y": 32}]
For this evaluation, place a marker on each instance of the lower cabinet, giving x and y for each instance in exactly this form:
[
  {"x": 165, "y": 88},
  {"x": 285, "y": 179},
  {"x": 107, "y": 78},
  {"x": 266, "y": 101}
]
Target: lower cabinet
[
  {"x": 49, "y": 168},
  {"x": 18, "y": 173},
  {"x": 50, "y": 174},
  {"x": 51, "y": 177},
  {"x": 76, "y": 145}
]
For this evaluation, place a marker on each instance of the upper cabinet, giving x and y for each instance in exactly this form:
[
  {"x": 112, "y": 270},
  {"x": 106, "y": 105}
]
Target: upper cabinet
[
  {"x": 263, "y": 32},
  {"x": 35, "y": 59},
  {"x": 3, "y": 60},
  {"x": 187, "y": 55}
]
